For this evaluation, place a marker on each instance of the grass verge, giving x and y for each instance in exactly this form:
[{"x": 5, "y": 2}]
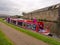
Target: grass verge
[
  {"x": 4, "y": 40},
  {"x": 50, "y": 41}
]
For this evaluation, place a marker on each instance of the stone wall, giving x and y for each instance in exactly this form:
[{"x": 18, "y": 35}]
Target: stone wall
[
  {"x": 58, "y": 24},
  {"x": 48, "y": 13}
]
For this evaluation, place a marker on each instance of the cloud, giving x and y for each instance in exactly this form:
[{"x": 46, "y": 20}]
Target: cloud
[{"x": 14, "y": 7}]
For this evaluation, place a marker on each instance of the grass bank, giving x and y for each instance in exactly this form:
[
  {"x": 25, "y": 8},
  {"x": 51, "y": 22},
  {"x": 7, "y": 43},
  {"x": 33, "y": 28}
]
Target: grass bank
[
  {"x": 50, "y": 41},
  {"x": 4, "y": 40}
]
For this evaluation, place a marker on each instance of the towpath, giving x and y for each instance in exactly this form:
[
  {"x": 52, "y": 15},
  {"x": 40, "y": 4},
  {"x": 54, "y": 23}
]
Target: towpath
[{"x": 19, "y": 38}]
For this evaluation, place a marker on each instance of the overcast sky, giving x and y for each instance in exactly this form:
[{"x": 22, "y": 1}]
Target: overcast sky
[{"x": 14, "y": 7}]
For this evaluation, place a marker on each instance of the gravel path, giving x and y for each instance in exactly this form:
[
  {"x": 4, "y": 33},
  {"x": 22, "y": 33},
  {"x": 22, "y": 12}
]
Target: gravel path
[{"x": 19, "y": 38}]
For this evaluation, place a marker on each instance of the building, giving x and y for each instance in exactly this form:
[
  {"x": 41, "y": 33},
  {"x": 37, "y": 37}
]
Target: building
[
  {"x": 51, "y": 13},
  {"x": 48, "y": 13}
]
